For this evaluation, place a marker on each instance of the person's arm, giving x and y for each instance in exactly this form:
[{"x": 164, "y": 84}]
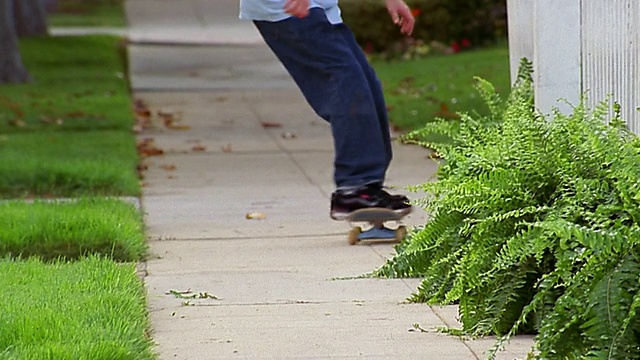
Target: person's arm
[
  {"x": 297, "y": 8},
  {"x": 398, "y": 9},
  {"x": 401, "y": 15}
]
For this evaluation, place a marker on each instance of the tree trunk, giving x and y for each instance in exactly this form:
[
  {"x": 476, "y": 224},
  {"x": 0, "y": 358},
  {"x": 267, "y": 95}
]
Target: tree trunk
[
  {"x": 11, "y": 68},
  {"x": 30, "y": 17}
]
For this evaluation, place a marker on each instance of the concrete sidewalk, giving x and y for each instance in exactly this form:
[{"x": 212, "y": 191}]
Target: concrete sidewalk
[{"x": 243, "y": 141}]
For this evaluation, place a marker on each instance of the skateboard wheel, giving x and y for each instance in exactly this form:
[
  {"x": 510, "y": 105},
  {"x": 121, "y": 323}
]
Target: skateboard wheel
[
  {"x": 401, "y": 232},
  {"x": 354, "y": 235}
]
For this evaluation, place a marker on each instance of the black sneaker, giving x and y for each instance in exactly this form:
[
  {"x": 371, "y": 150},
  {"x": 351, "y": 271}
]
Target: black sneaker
[{"x": 345, "y": 202}]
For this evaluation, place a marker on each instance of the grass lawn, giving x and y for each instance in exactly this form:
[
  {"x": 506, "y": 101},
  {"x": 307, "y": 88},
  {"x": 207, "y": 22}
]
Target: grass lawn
[
  {"x": 92, "y": 309},
  {"x": 88, "y": 13},
  {"x": 78, "y": 84},
  {"x": 68, "y": 132},
  {"x": 417, "y": 91},
  {"x": 61, "y": 164},
  {"x": 71, "y": 229}
]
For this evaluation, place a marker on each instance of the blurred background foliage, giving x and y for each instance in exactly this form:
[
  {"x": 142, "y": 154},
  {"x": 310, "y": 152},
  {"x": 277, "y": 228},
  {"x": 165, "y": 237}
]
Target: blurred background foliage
[{"x": 456, "y": 24}]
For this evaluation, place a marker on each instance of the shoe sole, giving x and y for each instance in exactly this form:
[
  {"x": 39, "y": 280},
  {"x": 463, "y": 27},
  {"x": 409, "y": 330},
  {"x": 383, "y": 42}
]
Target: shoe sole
[{"x": 346, "y": 216}]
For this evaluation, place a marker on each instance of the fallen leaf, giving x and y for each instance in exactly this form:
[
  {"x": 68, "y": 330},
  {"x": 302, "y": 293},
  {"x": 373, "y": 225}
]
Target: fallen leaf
[
  {"x": 142, "y": 115},
  {"x": 255, "y": 216},
  {"x": 226, "y": 148},
  {"x": 146, "y": 147},
  {"x": 268, "y": 124},
  {"x": 445, "y": 113},
  {"x": 188, "y": 294},
  {"x": 178, "y": 127},
  {"x": 77, "y": 114},
  {"x": 15, "y": 108},
  {"x": 17, "y": 123},
  {"x": 198, "y": 148},
  {"x": 170, "y": 120},
  {"x": 169, "y": 167},
  {"x": 46, "y": 119},
  {"x": 143, "y": 167},
  {"x": 178, "y": 292},
  {"x": 140, "y": 104}
]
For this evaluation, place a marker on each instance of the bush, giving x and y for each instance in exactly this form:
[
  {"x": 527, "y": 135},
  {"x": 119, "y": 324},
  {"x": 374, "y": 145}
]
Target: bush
[
  {"x": 475, "y": 22},
  {"x": 535, "y": 227}
]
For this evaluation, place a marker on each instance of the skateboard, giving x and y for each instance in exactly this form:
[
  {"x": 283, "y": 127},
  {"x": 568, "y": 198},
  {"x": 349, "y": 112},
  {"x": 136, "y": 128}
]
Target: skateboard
[{"x": 375, "y": 217}]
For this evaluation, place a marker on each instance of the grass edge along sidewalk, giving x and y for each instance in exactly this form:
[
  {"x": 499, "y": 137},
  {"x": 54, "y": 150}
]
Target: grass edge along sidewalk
[
  {"x": 88, "y": 309},
  {"x": 68, "y": 296}
]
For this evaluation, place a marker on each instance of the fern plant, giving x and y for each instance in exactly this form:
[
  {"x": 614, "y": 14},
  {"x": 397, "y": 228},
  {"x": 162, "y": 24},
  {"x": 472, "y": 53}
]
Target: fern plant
[{"x": 534, "y": 227}]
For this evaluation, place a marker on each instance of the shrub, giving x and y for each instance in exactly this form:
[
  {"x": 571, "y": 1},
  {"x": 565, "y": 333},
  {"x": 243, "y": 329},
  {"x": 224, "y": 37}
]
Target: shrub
[
  {"x": 534, "y": 227},
  {"x": 456, "y": 22}
]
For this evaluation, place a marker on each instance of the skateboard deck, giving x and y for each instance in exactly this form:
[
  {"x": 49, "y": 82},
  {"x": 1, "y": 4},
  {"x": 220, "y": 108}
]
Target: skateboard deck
[{"x": 376, "y": 217}]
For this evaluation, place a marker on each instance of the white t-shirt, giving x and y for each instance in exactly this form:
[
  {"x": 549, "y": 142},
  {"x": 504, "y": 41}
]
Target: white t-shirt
[{"x": 272, "y": 10}]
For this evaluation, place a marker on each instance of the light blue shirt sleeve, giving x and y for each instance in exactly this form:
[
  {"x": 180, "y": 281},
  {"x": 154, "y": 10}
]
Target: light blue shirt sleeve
[{"x": 273, "y": 10}]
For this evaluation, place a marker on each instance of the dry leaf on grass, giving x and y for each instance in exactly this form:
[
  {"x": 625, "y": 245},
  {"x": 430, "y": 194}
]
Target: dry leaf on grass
[
  {"x": 48, "y": 120},
  {"x": 17, "y": 123}
]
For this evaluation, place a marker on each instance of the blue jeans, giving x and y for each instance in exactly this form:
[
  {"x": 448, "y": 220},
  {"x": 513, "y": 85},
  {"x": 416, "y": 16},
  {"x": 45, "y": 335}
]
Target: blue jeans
[{"x": 335, "y": 78}]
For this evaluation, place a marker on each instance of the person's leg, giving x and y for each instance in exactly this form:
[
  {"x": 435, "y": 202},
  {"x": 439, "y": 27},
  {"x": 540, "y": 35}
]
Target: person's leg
[
  {"x": 322, "y": 62},
  {"x": 374, "y": 86}
]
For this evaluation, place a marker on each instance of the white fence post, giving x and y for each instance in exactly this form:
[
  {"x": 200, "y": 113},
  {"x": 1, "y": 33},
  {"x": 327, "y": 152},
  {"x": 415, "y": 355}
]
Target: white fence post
[
  {"x": 610, "y": 55},
  {"x": 520, "y": 30},
  {"x": 579, "y": 46}
]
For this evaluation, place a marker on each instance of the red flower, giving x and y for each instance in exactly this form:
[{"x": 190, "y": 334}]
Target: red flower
[
  {"x": 455, "y": 47},
  {"x": 465, "y": 43},
  {"x": 416, "y": 12},
  {"x": 368, "y": 48}
]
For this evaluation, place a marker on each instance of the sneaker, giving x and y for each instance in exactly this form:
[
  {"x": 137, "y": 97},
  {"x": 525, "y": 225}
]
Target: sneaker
[{"x": 345, "y": 202}]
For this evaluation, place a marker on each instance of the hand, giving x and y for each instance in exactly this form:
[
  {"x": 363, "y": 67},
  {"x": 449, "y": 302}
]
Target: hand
[
  {"x": 401, "y": 15},
  {"x": 297, "y": 8}
]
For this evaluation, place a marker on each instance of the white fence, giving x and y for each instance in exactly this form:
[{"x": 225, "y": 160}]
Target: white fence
[{"x": 579, "y": 46}]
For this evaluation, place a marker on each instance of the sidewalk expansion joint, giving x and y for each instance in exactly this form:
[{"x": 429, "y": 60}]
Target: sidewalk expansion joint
[
  {"x": 286, "y": 151},
  {"x": 171, "y": 152},
  {"x": 266, "y": 237},
  {"x": 268, "y": 303}
]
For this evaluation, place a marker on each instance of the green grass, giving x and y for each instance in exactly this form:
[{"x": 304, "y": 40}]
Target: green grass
[
  {"x": 71, "y": 13},
  {"x": 67, "y": 294},
  {"x": 71, "y": 229},
  {"x": 417, "y": 91},
  {"x": 93, "y": 309},
  {"x": 68, "y": 164},
  {"x": 78, "y": 84},
  {"x": 68, "y": 133}
]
